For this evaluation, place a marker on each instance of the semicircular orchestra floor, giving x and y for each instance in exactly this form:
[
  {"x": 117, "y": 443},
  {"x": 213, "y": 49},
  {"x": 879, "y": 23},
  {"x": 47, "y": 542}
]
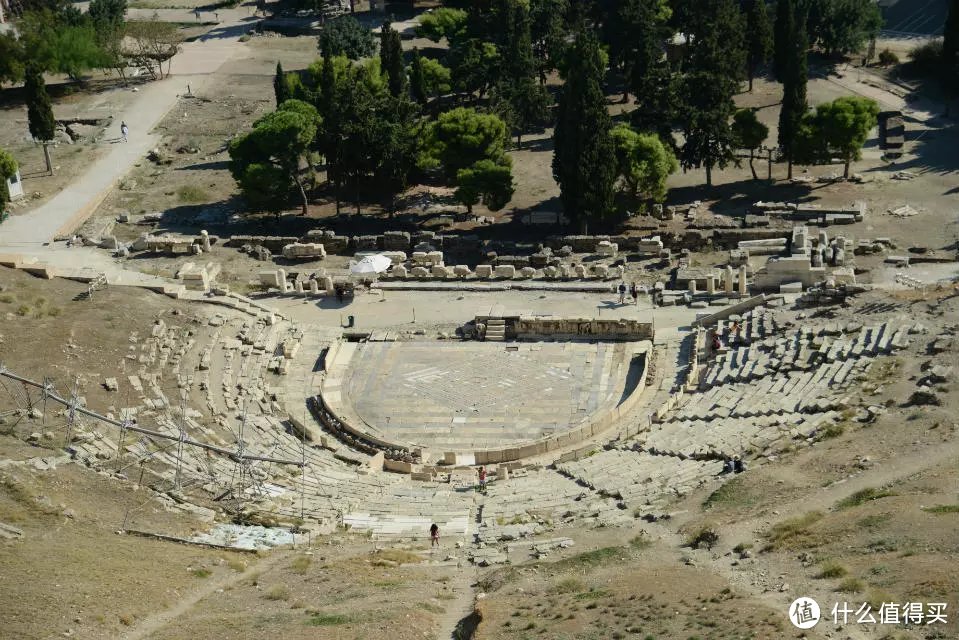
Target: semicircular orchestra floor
[{"x": 458, "y": 396}]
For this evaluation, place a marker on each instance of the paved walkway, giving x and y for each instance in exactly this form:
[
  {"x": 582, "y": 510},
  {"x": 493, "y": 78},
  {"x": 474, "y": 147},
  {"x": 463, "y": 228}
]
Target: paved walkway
[{"x": 74, "y": 204}]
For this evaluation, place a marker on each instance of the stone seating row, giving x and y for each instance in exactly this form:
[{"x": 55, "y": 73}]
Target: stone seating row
[
  {"x": 729, "y": 437},
  {"x": 642, "y": 481}
]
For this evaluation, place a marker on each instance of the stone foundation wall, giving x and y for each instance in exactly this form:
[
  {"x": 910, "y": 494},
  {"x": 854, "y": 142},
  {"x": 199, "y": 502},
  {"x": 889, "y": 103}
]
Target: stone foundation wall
[{"x": 535, "y": 327}]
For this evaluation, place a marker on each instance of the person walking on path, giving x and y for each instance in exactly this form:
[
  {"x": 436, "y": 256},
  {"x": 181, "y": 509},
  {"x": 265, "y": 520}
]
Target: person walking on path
[
  {"x": 634, "y": 291},
  {"x": 622, "y": 292},
  {"x": 434, "y": 535},
  {"x": 124, "y": 130},
  {"x": 196, "y": 12},
  {"x": 482, "y": 477}
]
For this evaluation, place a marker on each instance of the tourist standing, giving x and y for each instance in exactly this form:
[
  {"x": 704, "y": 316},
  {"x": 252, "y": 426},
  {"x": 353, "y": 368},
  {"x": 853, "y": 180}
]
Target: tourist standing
[
  {"x": 434, "y": 535},
  {"x": 124, "y": 130},
  {"x": 622, "y": 292},
  {"x": 482, "y": 477}
]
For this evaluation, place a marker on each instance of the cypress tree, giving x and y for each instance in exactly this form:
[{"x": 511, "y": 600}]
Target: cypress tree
[
  {"x": 391, "y": 58},
  {"x": 715, "y": 67},
  {"x": 523, "y": 101},
  {"x": 950, "y": 33},
  {"x": 950, "y": 47},
  {"x": 280, "y": 88},
  {"x": 785, "y": 31},
  {"x": 759, "y": 42},
  {"x": 417, "y": 79},
  {"x": 794, "y": 93},
  {"x": 584, "y": 161},
  {"x": 39, "y": 110}
]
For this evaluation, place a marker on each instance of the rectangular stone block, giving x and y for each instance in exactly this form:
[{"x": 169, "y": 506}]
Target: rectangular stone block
[{"x": 505, "y": 271}]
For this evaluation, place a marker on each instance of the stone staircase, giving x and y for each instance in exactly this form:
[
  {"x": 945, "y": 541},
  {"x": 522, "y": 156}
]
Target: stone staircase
[{"x": 496, "y": 330}]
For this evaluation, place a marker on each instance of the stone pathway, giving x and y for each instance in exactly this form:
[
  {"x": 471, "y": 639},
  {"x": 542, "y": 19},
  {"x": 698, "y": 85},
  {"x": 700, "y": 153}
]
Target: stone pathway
[{"x": 74, "y": 204}]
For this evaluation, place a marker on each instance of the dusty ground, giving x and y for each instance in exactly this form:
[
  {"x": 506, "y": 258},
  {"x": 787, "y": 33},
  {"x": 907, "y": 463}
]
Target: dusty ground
[{"x": 869, "y": 515}]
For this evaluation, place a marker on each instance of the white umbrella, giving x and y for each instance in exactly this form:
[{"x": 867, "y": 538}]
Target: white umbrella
[{"x": 370, "y": 265}]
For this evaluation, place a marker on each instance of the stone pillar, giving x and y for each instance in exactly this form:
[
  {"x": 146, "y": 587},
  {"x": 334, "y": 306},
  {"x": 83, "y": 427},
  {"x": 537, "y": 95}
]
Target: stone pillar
[
  {"x": 729, "y": 280},
  {"x": 823, "y": 238},
  {"x": 692, "y": 286},
  {"x": 205, "y": 240},
  {"x": 298, "y": 286},
  {"x": 328, "y": 284},
  {"x": 743, "y": 289},
  {"x": 502, "y": 473},
  {"x": 711, "y": 285},
  {"x": 314, "y": 286}
]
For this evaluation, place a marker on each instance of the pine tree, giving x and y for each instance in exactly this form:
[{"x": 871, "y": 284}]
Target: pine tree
[
  {"x": 759, "y": 41},
  {"x": 280, "y": 87},
  {"x": 39, "y": 111},
  {"x": 785, "y": 31},
  {"x": 417, "y": 79},
  {"x": 584, "y": 161},
  {"x": 716, "y": 64},
  {"x": 794, "y": 105},
  {"x": 391, "y": 59}
]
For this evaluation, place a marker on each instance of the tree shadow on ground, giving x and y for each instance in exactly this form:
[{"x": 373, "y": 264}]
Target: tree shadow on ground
[{"x": 735, "y": 198}]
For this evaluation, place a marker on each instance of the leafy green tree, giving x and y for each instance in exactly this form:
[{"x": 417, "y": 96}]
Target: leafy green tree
[
  {"x": 518, "y": 98},
  {"x": 643, "y": 163},
  {"x": 474, "y": 66},
  {"x": 40, "y": 118},
  {"x": 12, "y": 56},
  {"x": 716, "y": 63},
  {"x": 345, "y": 36},
  {"x": 486, "y": 181},
  {"x": 548, "y": 32},
  {"x": 843, "y": 126},
  {"x": 56, "y": 46},
  {"x": 391, "y": 59},
  {"x": 759, "y": 38},
  {"x": 749, "y": 133},
  {"x": 844, "y": 26},
  {"x": 635, "y": 31},
  {"x": 108, "y": 13},
  {"x": 443, "y": 23},
  {"x": 460, "y": 138},
  {"x": 784, "y": 32},
  {"x": 428, "y": 78},
  {"x": 266, "y": 161},
  {"x": 8, "y": 169},
  {"x": 583, "y": 159},
  {"x": 395, "y": 146},
  {"x": 280, "y": 87},
  {"x": 794, "y": 105}
]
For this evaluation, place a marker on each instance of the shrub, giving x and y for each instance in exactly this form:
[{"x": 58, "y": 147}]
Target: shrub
[
  {"x": 301, "y": 564},
  {"x": 942, "y": 508},
  {"x": 707, "y": 537},
  {"x": 318, "y": 619},
  {"x": 927, "y": 56},
  {"x": 793, "y": 533},
  {"x": 278, "y": 592},
  {"x": 851, "y": 585},
  {"x": 862, "y": 496},
  {"x": 831, "y": 570},
  {"x": 568, "y": 585},
  {"x": 191, "y": 194},
  {"x": 887, "y": 58}
]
